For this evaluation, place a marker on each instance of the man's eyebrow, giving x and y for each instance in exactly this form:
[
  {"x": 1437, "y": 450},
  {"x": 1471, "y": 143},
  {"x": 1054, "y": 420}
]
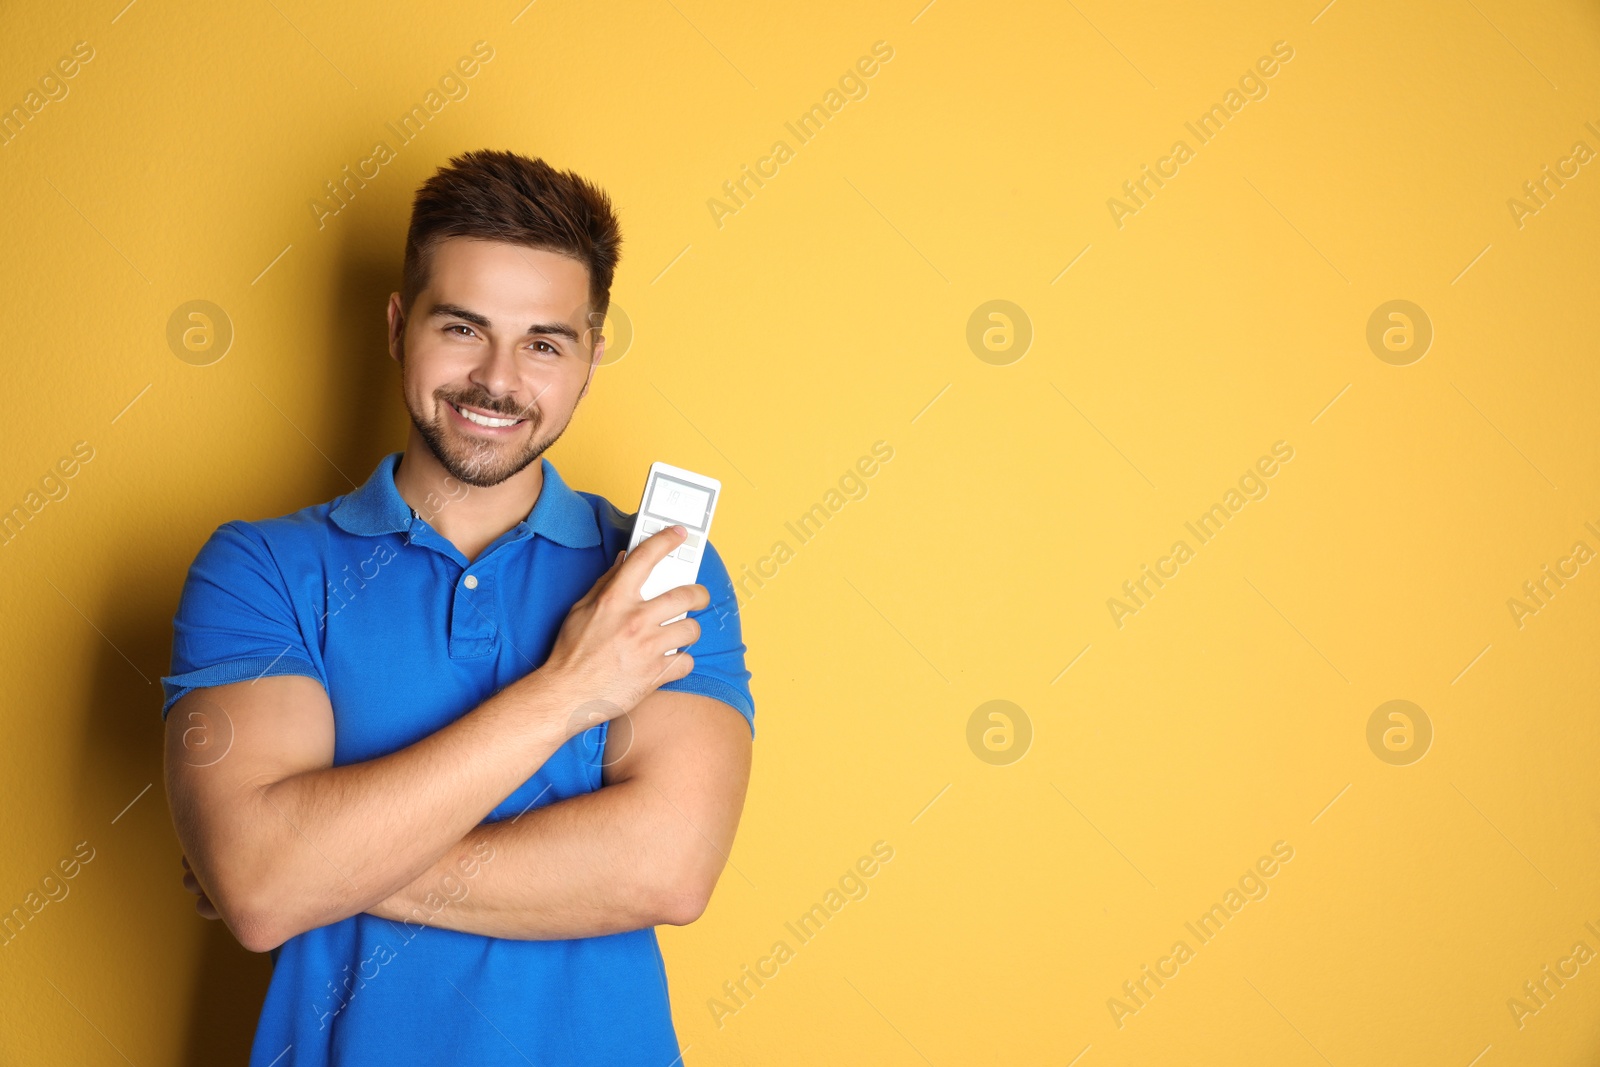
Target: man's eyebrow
[
  {"x": 456, "y": 311},
  {"x": 554, "y": 329}
]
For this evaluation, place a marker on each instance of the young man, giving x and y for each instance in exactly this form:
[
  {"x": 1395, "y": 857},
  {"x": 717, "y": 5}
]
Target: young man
[{"x": 425, "y": 743}]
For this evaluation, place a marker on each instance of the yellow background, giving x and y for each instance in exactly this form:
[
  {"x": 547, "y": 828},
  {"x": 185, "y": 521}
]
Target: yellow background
[{"x": 1228, "y": 714}]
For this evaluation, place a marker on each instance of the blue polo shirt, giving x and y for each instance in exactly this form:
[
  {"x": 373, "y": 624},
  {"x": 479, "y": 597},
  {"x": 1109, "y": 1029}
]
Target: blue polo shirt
[{"x": 363, "y": 595}]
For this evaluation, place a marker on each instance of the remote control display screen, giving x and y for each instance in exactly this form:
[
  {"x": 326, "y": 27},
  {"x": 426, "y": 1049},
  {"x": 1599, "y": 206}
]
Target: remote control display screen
[{"x": 677, "y": 501}]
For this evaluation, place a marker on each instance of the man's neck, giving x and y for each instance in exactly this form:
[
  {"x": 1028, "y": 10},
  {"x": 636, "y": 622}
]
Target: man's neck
[{"x": 467, "y": 516}]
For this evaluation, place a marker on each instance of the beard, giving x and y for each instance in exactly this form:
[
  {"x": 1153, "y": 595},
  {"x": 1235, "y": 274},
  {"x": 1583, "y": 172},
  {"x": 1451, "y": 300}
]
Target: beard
[{"x": 478, "y": 462}]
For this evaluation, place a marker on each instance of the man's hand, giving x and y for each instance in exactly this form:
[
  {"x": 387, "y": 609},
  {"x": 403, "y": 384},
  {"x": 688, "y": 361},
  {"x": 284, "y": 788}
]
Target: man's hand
[
  {"x": 612, "y": 649},
  {"x": 204, "y": 906}
]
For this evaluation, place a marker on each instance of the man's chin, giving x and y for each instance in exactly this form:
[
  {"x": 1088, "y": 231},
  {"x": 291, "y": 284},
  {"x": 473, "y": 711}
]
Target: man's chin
[
  {"x": 485, "y": 468},
  {"x": 482, "y": 464}
]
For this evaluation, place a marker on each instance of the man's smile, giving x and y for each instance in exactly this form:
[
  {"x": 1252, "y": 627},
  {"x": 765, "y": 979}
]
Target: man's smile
[{"x": 484, "y": 420}]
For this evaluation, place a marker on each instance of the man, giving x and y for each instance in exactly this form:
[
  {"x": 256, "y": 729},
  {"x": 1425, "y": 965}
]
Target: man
[{"x": 425, "y": 742}]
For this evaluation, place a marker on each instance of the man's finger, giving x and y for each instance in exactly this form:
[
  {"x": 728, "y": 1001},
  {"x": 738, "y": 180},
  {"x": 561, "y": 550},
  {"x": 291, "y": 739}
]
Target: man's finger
[{"x": 652, "y": 550}]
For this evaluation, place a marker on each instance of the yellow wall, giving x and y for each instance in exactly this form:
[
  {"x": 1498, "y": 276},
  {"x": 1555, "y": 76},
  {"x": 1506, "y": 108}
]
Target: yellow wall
[{"x": 773, "y": 345}]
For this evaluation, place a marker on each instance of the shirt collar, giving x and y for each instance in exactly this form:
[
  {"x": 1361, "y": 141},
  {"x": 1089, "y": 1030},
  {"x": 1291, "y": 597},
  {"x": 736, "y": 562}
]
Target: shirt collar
[{"x": 559, "y": 514}]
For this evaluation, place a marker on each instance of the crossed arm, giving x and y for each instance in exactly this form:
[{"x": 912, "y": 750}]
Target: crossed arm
[
  {"x": 282, "y": 841},
  {"x": 646, "y": 848}
]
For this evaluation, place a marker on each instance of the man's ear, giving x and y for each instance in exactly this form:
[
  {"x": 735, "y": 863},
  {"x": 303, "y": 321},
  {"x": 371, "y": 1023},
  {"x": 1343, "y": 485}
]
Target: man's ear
[{"x": 397, "y": 329}]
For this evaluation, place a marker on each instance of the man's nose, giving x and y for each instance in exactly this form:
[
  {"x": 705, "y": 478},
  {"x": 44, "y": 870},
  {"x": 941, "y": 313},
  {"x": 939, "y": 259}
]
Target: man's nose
[{"x": 496, "y": 373}]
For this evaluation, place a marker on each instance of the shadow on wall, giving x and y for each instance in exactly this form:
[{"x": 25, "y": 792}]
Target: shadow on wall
[
  {"x": 230, "y": 985},
  {"x": 355, "y": 417},
  {"x": 363, "y": 412}
]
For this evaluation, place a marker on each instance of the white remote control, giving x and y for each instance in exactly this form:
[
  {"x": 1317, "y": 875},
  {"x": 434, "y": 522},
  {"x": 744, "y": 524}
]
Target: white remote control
[{"x": 673, "y": 495}]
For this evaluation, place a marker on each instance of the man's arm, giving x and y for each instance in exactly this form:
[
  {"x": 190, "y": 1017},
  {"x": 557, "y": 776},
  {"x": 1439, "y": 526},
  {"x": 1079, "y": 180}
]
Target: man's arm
[
  {"x": 646, "y": 848},
  {"x": 284, "y": 842}
]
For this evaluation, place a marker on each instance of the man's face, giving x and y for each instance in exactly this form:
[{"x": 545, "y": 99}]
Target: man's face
[{"x": 495, "y": 354}]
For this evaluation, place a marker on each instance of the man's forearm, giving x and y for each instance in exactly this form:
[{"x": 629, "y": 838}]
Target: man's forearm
[
  {"x": 344, "y": 838},
  {"x": 599, "y": 863}
]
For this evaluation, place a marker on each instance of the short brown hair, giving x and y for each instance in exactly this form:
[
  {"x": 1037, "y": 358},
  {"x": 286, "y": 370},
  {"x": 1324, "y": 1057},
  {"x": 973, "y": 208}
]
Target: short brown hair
[{"x": 501, "y": 196}]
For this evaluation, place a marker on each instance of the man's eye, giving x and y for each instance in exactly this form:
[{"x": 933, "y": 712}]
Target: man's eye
[
  {"x": 548, "y": 347},
  {"x": 459, "y": 326}
]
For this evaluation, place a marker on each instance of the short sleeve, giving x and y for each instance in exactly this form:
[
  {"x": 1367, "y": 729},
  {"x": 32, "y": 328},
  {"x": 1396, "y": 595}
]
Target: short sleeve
[
  {"x": 235, "y": 619},
  {"x": 719, "y": 669}
]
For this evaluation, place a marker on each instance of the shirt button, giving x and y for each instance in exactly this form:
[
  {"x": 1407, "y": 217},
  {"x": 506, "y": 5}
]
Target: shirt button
[{"x": 471, "y": 581}]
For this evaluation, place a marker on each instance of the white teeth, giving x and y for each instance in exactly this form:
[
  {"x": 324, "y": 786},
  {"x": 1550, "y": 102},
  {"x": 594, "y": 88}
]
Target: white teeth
[{"x": 484, "y": 420}]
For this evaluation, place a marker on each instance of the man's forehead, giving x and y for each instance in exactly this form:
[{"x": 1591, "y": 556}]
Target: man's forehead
[{"x": 506, "y": 283}]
